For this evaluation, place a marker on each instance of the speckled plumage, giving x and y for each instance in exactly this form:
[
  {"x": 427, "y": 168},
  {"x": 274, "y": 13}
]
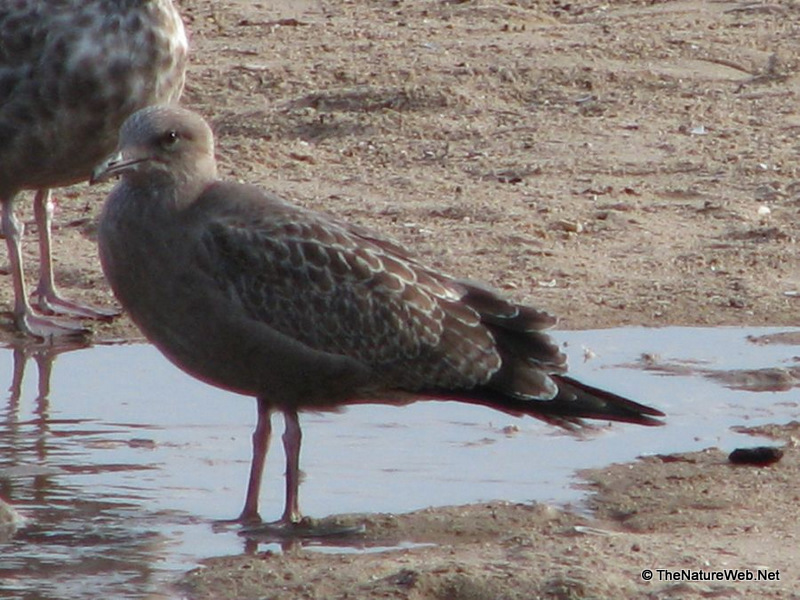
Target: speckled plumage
[
  {"x": 251, "y": 293},
  {"x": 71, "y": 71},
  {"x": 344, "y": 291}
]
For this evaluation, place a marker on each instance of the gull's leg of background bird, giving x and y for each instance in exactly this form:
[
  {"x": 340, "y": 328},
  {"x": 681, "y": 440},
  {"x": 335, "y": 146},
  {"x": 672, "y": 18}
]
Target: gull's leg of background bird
[
  {"x": 261, "y": 437},
  {"x": 24, "y": 317},
  {"x": 48, "y": 298},
  {"x": 12, "y": 230},
  {"x": 292, "y": 437}
]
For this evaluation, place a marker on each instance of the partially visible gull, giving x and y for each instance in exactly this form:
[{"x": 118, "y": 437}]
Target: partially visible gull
[
  {"x": 252, "y": 294},
  {"x": 71, "y": 71}
]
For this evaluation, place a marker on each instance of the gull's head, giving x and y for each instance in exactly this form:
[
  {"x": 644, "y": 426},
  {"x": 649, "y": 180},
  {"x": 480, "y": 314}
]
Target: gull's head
[{"x": 162, "y": 143}]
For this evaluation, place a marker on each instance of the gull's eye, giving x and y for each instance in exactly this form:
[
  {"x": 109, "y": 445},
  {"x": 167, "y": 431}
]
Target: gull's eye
[{"x": 170, "y": 138}]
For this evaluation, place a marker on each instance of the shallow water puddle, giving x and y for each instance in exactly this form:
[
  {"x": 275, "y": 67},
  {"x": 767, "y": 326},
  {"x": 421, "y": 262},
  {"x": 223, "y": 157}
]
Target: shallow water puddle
[{"x": 121, "y": 462}]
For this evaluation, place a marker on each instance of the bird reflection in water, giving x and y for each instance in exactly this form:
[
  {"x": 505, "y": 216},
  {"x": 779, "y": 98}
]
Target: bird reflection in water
[
  {"x": 43, "y": 355},
  {"x": 27, "y": 439},
  {"x": 69, "y": 533}
]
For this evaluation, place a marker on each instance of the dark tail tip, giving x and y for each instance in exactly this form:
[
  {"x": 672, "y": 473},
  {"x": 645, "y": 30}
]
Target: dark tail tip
[
  {"x": 575, "y": 401},
  {"x": 584, "y": 401}
]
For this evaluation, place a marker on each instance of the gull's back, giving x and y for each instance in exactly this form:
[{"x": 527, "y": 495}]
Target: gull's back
[{"x": 71, "y": 71}]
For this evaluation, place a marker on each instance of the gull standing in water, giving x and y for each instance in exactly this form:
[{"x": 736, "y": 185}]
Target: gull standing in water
[{"x": 252, "y": 294}]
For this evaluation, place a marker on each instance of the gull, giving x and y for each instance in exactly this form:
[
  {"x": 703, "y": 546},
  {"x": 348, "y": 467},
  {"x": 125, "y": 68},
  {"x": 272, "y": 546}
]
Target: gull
[
  {"x": 71, "y": 72},
  {"x": 252, "y": 294}
]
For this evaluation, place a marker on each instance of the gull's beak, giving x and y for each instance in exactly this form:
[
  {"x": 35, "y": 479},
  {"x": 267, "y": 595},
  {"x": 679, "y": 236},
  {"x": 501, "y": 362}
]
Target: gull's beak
[{"x": 116, "y": 164}]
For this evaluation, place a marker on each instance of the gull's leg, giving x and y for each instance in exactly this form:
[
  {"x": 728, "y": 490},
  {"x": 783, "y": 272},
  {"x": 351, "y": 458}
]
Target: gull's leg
[
  {"x": 292, "y": 526},
  {"x": 24, "y": 318},
  {"x": 48, "y": 298},
  {"x": 261, "y": 437},
  {"x": 292, "y": 437}
]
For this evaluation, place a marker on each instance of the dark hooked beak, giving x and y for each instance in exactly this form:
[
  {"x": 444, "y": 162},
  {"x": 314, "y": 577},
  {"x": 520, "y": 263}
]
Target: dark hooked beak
[{"x": 116, "y": 164}]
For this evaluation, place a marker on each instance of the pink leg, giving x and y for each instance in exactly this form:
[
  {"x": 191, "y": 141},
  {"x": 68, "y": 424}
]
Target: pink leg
[
  {"x": 291, "y": 526},
  {"x": 24, "y": 318},
  {"x": 292, "y": 437},
  {"x": 261, "y": 437},
  {"x": 49, "y": 299}
]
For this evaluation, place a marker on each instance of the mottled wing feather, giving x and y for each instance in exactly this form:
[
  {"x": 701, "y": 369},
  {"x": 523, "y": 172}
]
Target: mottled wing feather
[
  {"x": 324, "y": 284},
  {"x": 70, "y": 72},
  {"x": 21, "y": 41},
  {"x": 21, "y": 35}
]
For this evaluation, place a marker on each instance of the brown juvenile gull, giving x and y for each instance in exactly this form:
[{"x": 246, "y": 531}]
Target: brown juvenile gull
[
  {"x": 255, "y": 295},
  {"x": 71, "y": 71}
]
